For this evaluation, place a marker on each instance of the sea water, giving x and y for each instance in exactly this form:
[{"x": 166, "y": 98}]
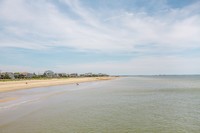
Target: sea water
[{"x": 142, "y": 104}]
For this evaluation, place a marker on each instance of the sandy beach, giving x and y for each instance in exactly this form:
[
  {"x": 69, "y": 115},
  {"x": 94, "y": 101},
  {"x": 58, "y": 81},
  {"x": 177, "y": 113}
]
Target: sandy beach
[{"x": 26, "y": 84}]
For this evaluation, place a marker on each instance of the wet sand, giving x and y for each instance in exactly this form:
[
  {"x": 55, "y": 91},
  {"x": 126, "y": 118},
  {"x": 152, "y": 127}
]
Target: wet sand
[
  {"x": 26, "y": 84},
  {"x": 2, "y": 100}
]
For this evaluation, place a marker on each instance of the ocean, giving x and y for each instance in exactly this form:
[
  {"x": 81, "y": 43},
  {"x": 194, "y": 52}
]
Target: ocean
[{"x": 140, "y": 104}]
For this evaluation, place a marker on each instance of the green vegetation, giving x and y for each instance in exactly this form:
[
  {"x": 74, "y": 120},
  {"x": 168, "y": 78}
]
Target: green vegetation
[{"x": 9, "y": 76}]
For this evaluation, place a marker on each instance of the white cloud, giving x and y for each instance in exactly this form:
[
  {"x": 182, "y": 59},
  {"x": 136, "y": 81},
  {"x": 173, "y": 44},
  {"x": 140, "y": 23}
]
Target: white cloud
[
  {"x": 43, "y": 24},
  {"x": 26, "y": 21}
]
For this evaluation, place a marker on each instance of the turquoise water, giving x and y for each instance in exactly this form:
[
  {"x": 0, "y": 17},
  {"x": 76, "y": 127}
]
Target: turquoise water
[{"x": 153, "y": 104}]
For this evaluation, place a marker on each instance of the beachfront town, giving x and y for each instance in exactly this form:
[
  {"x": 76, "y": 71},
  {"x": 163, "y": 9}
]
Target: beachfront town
[{"x": 46, "y": 74}]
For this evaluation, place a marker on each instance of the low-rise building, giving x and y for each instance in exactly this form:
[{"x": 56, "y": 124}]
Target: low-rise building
[
  {"x": 73, "y": 75},
  {"x": 49, "y": 74},
  {"x": 63, "y": 75},
  {"x": 7, "y": 75}
]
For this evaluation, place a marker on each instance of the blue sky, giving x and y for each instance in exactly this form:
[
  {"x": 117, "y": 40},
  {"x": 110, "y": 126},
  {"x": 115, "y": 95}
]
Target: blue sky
[{"x": 108, "y": 36}]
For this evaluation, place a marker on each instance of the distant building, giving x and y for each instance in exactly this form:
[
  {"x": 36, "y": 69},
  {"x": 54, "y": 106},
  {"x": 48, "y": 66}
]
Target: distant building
[
  {"x": 93, "y": 75},
  {"x": 102, "y": 75},
  {"x": 88, "y": 74},
  {"x": 11, "y": 75},
  {"x": 7, "y": 75},
  {"x": 27, "y": 75},
  {"x": 73, "y": 75},
  {"x": 63, "y": 75},
  {"x": 49, "y": 74},
  {"x": 23, "y": 75}
]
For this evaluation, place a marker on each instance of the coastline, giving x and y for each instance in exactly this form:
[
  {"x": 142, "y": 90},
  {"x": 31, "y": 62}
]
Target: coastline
[{"x": 28, "y": 84}]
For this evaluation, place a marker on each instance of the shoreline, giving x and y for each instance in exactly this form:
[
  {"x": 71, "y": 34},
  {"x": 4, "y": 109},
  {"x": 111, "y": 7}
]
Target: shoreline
[{"x": 28, "y": 84}]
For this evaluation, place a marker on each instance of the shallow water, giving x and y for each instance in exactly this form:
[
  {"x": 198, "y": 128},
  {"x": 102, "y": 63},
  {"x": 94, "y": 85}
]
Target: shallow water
[{"x": 162, "y": 104}]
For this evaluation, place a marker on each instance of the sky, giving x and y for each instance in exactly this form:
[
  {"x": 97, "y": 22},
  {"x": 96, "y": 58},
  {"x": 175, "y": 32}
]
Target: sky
[{"x": 134, "y": 37}]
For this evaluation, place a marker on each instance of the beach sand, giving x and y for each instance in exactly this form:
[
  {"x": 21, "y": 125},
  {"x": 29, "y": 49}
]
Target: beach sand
[{"x": 26, "y": 84}]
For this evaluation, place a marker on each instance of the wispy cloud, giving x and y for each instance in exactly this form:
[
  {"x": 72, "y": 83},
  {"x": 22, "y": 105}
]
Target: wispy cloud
[
  {"x": 27, "y": 24},
  {"x": 146, "y": 30}
]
